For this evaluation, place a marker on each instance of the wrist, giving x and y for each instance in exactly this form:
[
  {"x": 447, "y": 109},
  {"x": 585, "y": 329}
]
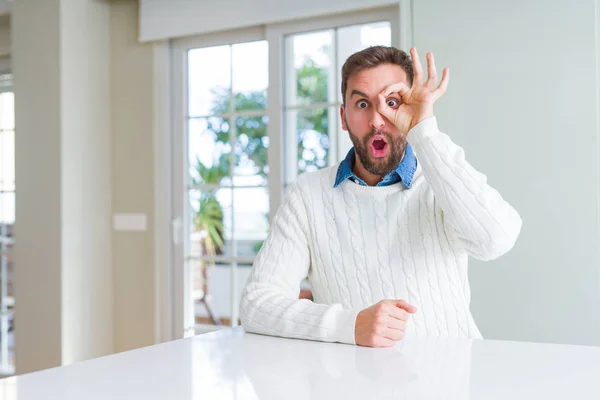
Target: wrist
[
  {"x": 426, "y": 128},
  {"x": 419, "y": 118}
]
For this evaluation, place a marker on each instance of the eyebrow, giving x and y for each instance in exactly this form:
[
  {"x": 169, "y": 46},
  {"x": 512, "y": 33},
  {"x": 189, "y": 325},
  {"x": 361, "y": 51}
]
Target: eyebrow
[{"x": 358, "y": 92}]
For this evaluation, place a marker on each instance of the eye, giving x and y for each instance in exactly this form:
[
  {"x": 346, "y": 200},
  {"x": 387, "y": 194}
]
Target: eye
[
  {"x": 362, "y": 104},
  {"x": 393, "y": 103}
]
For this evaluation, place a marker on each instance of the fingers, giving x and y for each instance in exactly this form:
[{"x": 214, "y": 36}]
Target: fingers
[
  {"x": 398, "y": 87},
  {"x": 431, "y": 72},
  {"x": 397, "y": 324},
  {"x": 382, "y": 324},
  {"x": 417, "y": 67},
  {"x": 394, "y": 334},
  {"x": 405, "y": 306},
  {"x": 385, "y": 110},
  {"x": 393, "y": 94},
  {"x": 395, "y": 330},
  {"x": 441, "y": 89},
  {"x": 397, "y": 313},
  {"x": 401, "y": 304}
]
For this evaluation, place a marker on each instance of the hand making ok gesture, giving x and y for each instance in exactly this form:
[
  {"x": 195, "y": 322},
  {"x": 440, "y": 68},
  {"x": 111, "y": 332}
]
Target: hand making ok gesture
[{"x": 405, "y": 107}]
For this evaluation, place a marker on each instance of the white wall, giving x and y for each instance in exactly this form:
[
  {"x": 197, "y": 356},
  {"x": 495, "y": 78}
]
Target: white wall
[
  {"x": 63, "y": 283},
  {"x": 86, "y": 185},
  {"x": 5, "y": 6},
  {"x": 132, "y": 82},
  {"x": 5, "y": 38},
  {"x": 523, "y": 102},
  {"x": 38, "y": 171},
  {"x": 163, "y": 19}
]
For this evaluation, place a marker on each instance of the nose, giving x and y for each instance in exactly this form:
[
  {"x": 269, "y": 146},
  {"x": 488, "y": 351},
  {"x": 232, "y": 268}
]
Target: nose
[{"x": 377, "y": 120}]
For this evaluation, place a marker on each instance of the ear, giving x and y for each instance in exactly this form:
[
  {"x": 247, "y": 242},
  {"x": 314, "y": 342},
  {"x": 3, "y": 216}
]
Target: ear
[{"x": 343, "y": 117}]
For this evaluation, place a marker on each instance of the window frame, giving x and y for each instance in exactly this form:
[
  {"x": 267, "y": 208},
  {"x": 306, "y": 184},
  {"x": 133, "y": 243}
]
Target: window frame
[{"x": 6, "y": 369}]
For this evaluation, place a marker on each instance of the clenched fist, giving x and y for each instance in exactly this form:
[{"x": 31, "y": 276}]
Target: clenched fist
[{"x": 382, "y": 324}]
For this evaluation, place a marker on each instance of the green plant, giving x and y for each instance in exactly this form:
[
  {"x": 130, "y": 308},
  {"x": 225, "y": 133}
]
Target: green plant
[{"x": 208, "y": 219}]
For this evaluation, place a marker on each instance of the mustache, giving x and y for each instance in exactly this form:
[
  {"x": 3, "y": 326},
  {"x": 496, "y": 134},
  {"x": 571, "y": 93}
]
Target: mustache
[{"x": 378, "y": 132}]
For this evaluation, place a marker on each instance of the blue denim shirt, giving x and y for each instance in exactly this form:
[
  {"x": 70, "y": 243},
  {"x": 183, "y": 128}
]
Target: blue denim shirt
[{"x": 404, "y": 172}]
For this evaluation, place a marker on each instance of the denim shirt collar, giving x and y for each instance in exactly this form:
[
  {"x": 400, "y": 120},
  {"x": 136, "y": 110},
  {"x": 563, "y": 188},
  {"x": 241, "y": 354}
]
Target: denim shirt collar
[{"x": 404, "y": 172}]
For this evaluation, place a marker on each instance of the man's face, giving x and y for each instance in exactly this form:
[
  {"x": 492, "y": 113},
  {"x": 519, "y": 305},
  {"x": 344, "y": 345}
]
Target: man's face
[{"x": 377, "y": 142}]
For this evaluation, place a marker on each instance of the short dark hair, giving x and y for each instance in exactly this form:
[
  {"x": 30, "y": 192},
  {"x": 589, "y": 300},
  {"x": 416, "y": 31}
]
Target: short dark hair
[{"x": 372, "y": 57}]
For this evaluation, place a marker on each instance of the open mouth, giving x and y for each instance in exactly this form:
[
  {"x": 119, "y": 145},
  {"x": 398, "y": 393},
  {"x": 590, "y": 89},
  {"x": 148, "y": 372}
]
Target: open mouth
[{"x": 378, "y": 146}]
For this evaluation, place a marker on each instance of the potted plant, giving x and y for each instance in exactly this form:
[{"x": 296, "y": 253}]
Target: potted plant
[{"x": 208, "y": 221}]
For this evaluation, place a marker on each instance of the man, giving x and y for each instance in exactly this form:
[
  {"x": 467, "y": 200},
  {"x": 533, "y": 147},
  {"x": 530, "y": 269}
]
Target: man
[{"x": 385, "y": 235}]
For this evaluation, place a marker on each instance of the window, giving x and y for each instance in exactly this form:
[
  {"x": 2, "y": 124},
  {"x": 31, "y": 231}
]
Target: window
[
  {"x": 227, "y": 201},
  {"x": 251, "y": 109},
  {"x": 7, "y": 220},
  {"x": 227, "y": 142}
]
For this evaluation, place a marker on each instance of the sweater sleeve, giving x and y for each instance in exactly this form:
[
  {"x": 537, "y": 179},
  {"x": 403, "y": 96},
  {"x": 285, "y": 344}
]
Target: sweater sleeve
[
  {"x": 270, "y": 303},
  {"x": 476, "y": 217}
]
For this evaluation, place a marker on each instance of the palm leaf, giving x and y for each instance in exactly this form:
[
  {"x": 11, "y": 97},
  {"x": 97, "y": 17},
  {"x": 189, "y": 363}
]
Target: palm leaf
[{"x": 209, "y": 219}]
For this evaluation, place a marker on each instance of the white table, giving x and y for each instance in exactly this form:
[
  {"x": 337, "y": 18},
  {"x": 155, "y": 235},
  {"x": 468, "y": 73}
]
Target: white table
[{"x": 231, "y": 364}]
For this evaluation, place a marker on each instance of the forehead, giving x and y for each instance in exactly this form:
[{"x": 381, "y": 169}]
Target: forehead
[{"x": 373, "y": 80}]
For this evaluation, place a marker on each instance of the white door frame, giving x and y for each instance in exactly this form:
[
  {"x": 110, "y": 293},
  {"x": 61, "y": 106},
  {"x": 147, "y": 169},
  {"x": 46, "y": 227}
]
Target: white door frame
[
  {"x": 163, "y": 232},
  {"x": 183, "y": 306}
]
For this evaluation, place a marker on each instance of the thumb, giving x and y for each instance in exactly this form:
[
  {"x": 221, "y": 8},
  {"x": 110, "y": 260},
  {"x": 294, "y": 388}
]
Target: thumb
[{"x": 409, "y": 308}]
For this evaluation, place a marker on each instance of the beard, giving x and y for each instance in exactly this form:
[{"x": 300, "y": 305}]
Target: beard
[{"x": 379, "y": 166}]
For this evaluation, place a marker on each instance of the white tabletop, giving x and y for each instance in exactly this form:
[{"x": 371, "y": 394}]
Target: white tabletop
[{"x": 231, "y": 364}]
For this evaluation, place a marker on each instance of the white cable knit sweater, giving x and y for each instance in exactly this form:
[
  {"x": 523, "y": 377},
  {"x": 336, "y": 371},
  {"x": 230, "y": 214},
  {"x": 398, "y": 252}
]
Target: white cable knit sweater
[{"x": 359, "y": 245}]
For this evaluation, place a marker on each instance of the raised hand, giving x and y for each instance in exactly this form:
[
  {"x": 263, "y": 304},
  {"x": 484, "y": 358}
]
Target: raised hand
[{"x": 405, "y": 107}]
